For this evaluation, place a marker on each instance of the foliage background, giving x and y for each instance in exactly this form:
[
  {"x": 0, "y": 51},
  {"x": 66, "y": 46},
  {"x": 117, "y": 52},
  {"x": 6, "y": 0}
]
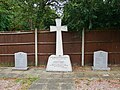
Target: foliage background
[{"x": 78, "y": 14}]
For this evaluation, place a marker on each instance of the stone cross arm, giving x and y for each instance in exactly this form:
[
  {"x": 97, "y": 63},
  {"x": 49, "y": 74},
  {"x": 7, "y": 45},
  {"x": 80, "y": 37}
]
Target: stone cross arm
[
  {"x": 55, "y": 28},
  {"x": 58, "y": 26}
]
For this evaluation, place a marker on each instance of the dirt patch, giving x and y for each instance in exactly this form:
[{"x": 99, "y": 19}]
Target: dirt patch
[
  {"x": 9, "y": 84},
  {"x": 16, "y": 84},
  {"x": 87, "y": 84}
]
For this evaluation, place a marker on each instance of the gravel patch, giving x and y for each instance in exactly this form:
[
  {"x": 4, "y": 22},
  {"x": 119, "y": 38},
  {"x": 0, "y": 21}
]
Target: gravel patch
[
  {"x": 87, "y": 84},
  {"x": 9, "y": 84}
]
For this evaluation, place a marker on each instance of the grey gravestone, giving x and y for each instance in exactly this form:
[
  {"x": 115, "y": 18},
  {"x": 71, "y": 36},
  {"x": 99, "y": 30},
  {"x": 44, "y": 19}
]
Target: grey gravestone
[
  {"x": 100, "y": 61},
  {"x": 20, "y": 61}
]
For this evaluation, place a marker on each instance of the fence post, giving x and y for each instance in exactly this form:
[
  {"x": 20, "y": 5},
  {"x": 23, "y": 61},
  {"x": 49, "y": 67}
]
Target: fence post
[
  {"x": 36, "y": 48},
  {"x": 83, "y": 41}
]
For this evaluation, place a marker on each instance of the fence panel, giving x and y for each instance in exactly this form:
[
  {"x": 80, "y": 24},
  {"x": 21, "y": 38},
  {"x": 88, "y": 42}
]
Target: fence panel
[{"x": 107, "y": 40}]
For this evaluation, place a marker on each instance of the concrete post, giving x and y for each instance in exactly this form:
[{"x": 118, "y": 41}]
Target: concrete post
[
  {"x": 36, "y": 48},
  {"x": 83, "y": 41}
]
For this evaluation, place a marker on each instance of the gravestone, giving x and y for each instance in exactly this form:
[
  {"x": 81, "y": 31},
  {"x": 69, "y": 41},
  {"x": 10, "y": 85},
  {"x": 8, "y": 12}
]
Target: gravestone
[
  {"x": 59, "y": 62},
  {"x": 100, "y": 61},
  {"x": 20, "y": 61}
]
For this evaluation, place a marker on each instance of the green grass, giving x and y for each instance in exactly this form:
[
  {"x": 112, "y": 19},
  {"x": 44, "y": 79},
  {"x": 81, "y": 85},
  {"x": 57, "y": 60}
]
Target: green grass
[{"x": 26, "y": 82}]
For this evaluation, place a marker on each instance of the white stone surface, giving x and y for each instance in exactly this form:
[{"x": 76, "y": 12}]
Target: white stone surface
[
  {"x": 59, "y": 63},
  {"x": 58, "y": 28},
  {"x": 100, "y": 61},
  {"x": 20, "y": 61}
]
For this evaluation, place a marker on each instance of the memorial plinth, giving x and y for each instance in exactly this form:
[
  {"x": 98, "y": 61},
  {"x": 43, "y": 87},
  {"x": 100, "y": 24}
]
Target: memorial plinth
[{"x": 59, "y": 63}]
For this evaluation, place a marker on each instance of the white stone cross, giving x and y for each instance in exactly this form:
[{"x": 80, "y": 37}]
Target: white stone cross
[{"x": 58, "y": 28}]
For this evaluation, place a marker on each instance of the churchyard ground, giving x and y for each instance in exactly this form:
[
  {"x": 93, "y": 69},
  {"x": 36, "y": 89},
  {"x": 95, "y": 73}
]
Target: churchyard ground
[{"x": 83, "y": 78}]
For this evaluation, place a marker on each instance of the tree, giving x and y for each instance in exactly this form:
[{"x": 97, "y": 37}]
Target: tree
[
  {"x": 78, "y": 14},
  {"x": 25, "y": 15},
  {"x": 36, "y": 14},
  {"x": 4, "y": 15},
  {"x": 108, "y": 13},
  {"x": 91, "y": 14}
]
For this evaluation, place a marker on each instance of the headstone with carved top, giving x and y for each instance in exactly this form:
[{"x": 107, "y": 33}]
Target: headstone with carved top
[
  {"x": 20, "y": 61},
  {"x": 100, "y": 61}
]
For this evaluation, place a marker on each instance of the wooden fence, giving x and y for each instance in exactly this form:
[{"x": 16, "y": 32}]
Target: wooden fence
[{"x": 107, "y": 40}]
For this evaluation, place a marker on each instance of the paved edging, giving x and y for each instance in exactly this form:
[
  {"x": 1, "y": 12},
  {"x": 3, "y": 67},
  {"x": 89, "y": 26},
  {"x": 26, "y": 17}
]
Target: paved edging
[{"x": 53, "y": 84}]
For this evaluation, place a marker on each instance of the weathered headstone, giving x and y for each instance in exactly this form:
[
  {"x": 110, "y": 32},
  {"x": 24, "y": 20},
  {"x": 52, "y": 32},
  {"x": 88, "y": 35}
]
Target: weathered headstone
[
  {"x": 100, "y": 61},
  {"x": 59, "y": 62},
  {"x": 20, "y": 61}
]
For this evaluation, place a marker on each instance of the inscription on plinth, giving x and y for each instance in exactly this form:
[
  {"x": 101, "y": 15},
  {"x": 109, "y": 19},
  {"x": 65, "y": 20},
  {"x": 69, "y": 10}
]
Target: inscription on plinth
[{"x": 59, "y": 63}]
